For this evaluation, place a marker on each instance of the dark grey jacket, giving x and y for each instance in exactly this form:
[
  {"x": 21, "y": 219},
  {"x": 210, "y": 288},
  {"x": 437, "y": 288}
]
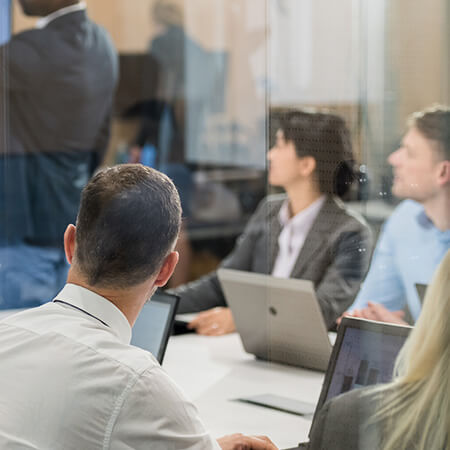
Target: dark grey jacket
[
  {"x": 335, "y": 257},
  {"x": 58, "y": 83},
  {"x": 60, "y": 86},
  {"x": 343, "y": 423}
]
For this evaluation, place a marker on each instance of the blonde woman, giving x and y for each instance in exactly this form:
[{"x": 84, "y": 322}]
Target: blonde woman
[{"x": 411, "y": 412}]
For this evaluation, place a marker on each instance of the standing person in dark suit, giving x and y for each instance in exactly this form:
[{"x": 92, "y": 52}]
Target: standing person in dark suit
[
  {"x": 411, "y": 412},
  {"x": 59, "y": 93},
  {"x": 306, "y": 233}
]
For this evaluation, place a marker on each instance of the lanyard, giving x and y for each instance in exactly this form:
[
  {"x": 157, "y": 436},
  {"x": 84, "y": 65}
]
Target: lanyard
[{"x": 82, "y": 310}]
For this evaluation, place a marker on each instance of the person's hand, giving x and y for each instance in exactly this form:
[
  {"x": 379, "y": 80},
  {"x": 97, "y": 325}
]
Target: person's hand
[
  {"x": 376, "y": 311},
  {"x": 346, "y": 314},
  {"x": 213, "y": 322},
  {"x": 240, "y": 442}
]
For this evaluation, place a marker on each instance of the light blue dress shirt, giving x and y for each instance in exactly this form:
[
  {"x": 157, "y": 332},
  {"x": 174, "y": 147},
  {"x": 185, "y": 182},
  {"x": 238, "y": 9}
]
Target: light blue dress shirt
[{"x": 408, "y": 251}]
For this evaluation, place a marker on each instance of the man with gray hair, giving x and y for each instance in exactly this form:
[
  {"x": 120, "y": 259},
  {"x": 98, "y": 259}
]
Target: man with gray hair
[{"x": 70, "y": 379}]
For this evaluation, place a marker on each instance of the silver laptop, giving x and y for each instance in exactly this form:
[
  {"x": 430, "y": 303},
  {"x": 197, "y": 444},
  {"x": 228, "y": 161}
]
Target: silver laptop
[{"x": 278, "y": 319}]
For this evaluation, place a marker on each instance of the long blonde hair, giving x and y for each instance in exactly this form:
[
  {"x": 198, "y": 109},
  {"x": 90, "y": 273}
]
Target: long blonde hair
[{"x": 415, "y": 407}]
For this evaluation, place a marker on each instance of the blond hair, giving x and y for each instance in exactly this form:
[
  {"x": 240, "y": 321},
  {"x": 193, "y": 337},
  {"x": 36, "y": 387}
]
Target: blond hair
[
  {"x": 434, "y": 123},
  {"x": 415, "y": 407}
]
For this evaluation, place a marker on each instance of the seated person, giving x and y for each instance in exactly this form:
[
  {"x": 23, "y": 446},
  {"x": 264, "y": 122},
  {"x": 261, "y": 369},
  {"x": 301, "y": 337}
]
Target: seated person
[
  {"x": 70, "y": 378},
  {"x": 411, "y": 412},
  {"x": 417, "y": 235},
  {"x": 305, "y": 233}
]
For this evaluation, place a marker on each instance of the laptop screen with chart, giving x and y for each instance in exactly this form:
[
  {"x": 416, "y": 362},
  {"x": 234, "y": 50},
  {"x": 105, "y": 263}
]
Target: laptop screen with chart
[{"x": 364, "y": 354}]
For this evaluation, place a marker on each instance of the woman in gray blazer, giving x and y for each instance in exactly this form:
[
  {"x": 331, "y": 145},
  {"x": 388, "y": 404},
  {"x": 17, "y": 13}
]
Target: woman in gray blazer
[
  {"x": 305, "y": 233},
  {"x": 411, "y": 412}
]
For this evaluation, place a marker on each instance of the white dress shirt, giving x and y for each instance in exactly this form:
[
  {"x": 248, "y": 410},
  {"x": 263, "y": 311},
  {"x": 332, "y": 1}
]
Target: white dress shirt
[
  {"x": 293, "y": 235},
  {"x": 44, "y": 21},
  {"x": 70, "y": 380}
]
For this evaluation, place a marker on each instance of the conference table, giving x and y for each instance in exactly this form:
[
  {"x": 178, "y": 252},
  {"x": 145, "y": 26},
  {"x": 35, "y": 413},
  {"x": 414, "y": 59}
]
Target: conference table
[{"x": 215, "y": 371}]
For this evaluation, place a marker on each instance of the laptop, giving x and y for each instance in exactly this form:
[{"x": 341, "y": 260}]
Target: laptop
[
  {"x": 153, "y": 326},
  {"x": 278, "y": 319},
  {"x": 364, "y": 354}
]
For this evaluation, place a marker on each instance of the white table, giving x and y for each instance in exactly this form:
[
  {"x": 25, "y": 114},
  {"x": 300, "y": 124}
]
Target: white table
[{"x": 212, "y": 371}]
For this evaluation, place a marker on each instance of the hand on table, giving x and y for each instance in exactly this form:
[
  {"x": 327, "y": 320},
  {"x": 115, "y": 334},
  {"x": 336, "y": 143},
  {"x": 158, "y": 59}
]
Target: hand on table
[
  {"x": 213, "y": 322},
  {"x": 241, "y": 442},
  {"x": 376, "y": 311}
]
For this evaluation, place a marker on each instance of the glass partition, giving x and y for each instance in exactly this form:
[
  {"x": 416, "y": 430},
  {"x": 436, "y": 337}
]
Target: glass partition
[{"x": 200, "y": 81}]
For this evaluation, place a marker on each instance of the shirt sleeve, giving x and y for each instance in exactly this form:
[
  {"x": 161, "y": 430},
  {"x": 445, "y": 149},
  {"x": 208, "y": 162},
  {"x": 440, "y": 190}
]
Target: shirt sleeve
[
  {"x": 22, "y": 61},
  {"x": 383, "y": 283},
  {"x": 153, "y": 413},
  {"x": 342, "y": 278},
  {"x": 339, "y": 424}
]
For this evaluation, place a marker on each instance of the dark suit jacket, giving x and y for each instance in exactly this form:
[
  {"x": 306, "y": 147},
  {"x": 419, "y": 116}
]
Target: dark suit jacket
[
  {"x": 59, "y": 91},
  {"x": 343, "y": 423},
  {"x": 335, "y": 257}
]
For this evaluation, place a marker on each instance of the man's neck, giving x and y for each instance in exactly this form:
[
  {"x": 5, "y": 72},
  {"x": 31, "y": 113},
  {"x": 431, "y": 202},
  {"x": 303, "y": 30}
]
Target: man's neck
[
  {"x": 129, "y": 301},
  {"x": 438, "y": 211},
  {"x": 301, "y": 196}
]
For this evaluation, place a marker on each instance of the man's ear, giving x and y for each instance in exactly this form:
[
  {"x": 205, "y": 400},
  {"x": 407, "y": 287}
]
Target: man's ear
[
  {"x": 69, "y": 242},
  {"x": 167, "y": 269},
  {"x": 444, "y": 173}
]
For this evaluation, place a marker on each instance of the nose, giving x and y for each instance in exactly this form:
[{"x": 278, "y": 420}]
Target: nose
[
  {"x": 394, "y": 157},
  {"x": 270, "y": 153}
]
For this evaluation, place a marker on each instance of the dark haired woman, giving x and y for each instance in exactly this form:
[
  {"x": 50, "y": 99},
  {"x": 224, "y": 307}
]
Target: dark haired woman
[{"x": 306, "y": 233}]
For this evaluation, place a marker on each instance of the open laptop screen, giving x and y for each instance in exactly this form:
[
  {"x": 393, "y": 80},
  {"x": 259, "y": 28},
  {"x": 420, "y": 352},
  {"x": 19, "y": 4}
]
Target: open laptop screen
[
  {"x": 364, "y": 354},
  {"x": 154, "y": 324}
]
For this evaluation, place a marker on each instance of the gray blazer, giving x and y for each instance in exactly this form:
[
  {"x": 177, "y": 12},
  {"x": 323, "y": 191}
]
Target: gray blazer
[
  {"x": 344, "y": 423},
  {"x": 335, "y": 257}
]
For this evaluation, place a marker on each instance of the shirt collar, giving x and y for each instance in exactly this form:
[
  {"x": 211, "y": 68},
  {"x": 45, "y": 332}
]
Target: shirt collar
[
  {"x": 425, "y": 222},
  {"x": 99, "y": 307},
  {"x": 303, "y": 216},
  {"x": 44, "y": 21}
]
